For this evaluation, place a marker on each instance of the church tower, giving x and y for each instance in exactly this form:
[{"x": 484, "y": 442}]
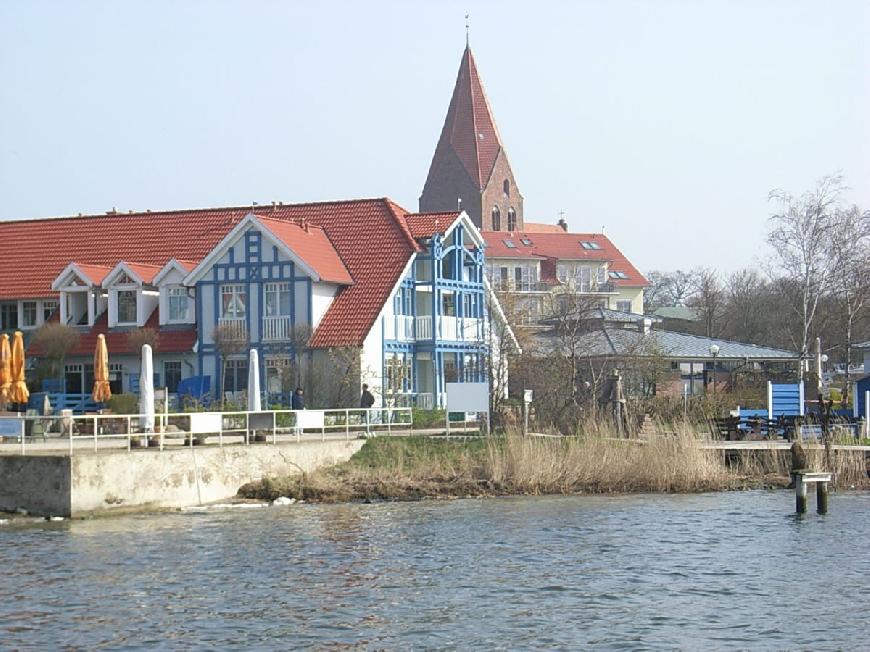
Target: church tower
[{"x": 470, "y": 162}]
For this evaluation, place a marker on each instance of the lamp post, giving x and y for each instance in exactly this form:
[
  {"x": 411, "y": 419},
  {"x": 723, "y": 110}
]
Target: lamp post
[{"x": 714, "y": 351}]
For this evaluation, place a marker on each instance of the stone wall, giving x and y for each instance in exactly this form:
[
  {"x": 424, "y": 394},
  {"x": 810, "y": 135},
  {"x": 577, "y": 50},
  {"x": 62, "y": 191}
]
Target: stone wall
[{"x": 122, "y": 481}]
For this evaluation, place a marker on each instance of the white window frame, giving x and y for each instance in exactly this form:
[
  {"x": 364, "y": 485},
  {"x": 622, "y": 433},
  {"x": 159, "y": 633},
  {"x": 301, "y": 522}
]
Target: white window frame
[
  {"x": 126, "y": 290},
  {"x": 174, "y": 293},
  {"x": 22, "y": 312},
  {"x": 276, "y": 289},
  {"x": 235, "y": 290}
]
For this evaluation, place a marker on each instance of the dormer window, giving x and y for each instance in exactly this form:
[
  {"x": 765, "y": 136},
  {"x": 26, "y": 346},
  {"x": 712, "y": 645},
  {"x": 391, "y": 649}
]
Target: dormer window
[
  {"x": 127, "y": 313},
  {"x": 178, "y": 304}
]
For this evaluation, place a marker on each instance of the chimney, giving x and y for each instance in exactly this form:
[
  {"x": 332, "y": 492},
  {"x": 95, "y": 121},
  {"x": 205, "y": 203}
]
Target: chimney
[{"x": 562, "y": 223}]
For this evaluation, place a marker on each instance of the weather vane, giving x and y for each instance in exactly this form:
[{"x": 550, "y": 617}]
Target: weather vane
[{"x": 466, "y": 29}]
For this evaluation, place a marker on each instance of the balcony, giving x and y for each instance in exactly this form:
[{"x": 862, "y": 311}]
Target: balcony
[
  {"x": 399, "y": 327},
  {"x": 277, "y": 328},
  {"x": 460, "y": 329},
  {"x": 234, "y": 327},
  {"x": 525, "y": 286},
  {"x": 424, "y": 327}
]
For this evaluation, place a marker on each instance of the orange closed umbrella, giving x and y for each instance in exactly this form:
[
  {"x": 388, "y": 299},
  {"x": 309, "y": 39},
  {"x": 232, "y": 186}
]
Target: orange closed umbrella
[
  {"x": 18, "y": 393},
  {"x": 102, "y": 392},
  {"x": 5, "y": 369}
]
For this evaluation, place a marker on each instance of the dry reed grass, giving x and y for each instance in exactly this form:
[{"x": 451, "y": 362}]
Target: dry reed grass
[{"x": 593, "y": 461}]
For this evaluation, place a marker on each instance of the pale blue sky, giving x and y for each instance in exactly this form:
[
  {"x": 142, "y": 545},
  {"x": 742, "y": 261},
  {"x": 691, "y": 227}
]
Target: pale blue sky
[{"x": 666, "y": 122}]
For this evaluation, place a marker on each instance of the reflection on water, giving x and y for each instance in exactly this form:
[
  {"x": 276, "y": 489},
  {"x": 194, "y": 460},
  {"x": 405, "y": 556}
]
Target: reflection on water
[{"x": 712, "y": 571}]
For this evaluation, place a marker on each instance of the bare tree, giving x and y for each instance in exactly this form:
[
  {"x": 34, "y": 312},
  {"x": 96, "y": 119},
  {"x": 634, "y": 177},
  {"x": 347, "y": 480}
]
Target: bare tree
[
  {"x": 228, "y": 341},
  {"x": 707, "y": 298},
  {"x": 138, "y": 337},
  {"x": 850, "y": 249},
  {"x": 801, "y": 239},
  {"x": 55, "y": 341}
]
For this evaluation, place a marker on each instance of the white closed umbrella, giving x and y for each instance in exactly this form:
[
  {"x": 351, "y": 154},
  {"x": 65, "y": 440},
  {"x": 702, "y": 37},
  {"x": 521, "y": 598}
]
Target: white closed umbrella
[
  {"x": 254, "y": 382},
  {"x": 146, "y": 390}
]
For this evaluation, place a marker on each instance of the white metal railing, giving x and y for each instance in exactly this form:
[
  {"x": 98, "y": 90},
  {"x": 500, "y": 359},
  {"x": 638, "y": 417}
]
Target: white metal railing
[
  {"x": 447, "y": 330},
  {"x": 276, "y": 328},
  {"x": 171, "y": 430},
  {"x": 235, "y": 326},
  {"x": 424, "y": 327},
  {"x": 425, "y": 401}
]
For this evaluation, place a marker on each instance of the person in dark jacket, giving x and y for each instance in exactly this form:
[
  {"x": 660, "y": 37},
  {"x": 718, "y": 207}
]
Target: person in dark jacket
[
  {"x": 298, "y": 402},
  {"x": 366, "y": 399}
]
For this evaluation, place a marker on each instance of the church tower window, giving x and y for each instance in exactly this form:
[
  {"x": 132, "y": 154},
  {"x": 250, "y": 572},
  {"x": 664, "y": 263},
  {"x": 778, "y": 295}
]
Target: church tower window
[
  {"x": 512, "y": 219},
  {"x": 496, "y": 219},
  {"x": 507, "y": 188}
]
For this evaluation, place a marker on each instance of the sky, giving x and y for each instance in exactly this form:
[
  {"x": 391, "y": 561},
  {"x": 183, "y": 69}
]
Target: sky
[{"x": 664, "y": 123}]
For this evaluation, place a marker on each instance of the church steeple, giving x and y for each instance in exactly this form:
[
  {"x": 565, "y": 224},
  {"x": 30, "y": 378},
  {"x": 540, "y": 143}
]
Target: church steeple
[{"x": 470, "y": 162}]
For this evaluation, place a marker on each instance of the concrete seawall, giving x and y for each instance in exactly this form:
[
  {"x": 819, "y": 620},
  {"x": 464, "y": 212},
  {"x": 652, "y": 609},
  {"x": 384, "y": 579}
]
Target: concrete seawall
[{"x": 145, "y": 480}]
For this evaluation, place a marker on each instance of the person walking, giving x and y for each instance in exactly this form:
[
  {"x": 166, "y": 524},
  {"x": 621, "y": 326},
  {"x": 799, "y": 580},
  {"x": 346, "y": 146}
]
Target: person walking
[
  {"x": 366, "y": 399},
  {"x": 298, "y": 402}
]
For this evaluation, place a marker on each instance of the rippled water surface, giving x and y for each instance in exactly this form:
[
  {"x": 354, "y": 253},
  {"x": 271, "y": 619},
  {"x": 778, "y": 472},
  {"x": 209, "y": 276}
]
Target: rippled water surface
[{"x": 712, "y": 571}]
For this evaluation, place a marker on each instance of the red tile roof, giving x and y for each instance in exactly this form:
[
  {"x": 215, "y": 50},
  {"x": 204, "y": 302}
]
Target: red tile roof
[
  {"x": 146, "y": 273},
  {"x": 425, "y": 225},
  {"x": 312, "y": 245},
  {"x": 539, "y": 227},
  {"x": 563, "y": 246},
  {"x": 469, "y": 128},
  {"x": 370, "y": 235},
  {"x": 97, "y": 273}
]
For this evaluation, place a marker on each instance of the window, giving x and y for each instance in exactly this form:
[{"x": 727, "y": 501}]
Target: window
[
  {"x": 503, "y": 278},
  {"x": 448, "y": 305},
  {"x": 400, "y": 375},
  {"x": 277, "y": 299},
  {"x": 623, "y": 306},
  {"x": 506, "y": 186},
  {"x": 512, "y": 219},
  {"x": 496, "y": 219},
  {"x": 126, "y": 306},
  {"x": 526, "y": 242},
  {"x": 178, "y": 304},
  {"x": 586, "y": 244},
  {"x": 48, "y": 309},
  {"x": 618, "y": 275},
  {"x": 279, "y": 376},
  {"x": 28, "y": 314},
  {"x": 8, "y": 316},
  {"x": 116, "y": 378},
  {"x": 602, "y": 275},
  {"x": 236, "y": 375},
  {"x": 470, "y": 305},
  {"x": 172, "y": 374},
  {"x": 518, "y": 279},
  {"x": 509, "y": 244},
  {"x": 234, "y": 300}
]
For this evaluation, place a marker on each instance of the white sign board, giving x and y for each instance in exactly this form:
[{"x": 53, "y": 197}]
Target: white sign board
[
  {"x": 309, "y": 419},
  {"x": 468, "y": 397}
]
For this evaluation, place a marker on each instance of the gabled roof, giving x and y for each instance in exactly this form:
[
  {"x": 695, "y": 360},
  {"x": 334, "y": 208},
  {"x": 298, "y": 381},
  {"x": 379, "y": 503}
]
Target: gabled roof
[
  {"x": 92, "y": 275},
  {"x": 370, "y": 237},
  {"x": 312, "y": 245},
  {"x": 183, "y": 267},
  {"x": 563, "y": 246},
  {"x": 142, "y": 274},
  {"x": 469, "y": 128},
  {"x": 425, "y": 225}
]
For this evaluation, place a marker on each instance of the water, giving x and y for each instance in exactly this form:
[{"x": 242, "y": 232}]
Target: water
[{"x": 713, "y": 571}]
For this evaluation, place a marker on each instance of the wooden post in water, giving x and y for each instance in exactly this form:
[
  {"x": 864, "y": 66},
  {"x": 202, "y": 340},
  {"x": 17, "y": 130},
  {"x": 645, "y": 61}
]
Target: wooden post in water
[
  {"x": 822, "y": 497},
  {"x": 800, "y": 494}
]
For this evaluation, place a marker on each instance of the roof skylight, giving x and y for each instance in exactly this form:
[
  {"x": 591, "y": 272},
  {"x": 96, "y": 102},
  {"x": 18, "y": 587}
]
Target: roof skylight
[
  {"x": 588, "y": 244},
  {"x": 509, "y": 244},
  {"x": 615, "y": 274}
]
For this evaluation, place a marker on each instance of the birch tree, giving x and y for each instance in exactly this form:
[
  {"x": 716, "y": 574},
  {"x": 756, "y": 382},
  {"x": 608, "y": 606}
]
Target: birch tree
[{"x": 801, "y": 235}]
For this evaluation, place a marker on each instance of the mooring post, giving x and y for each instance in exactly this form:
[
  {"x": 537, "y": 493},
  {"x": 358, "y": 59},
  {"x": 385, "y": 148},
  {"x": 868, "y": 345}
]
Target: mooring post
[
  {"x": 800, "y": 494},
  {"x": 822, "y": 497}
]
